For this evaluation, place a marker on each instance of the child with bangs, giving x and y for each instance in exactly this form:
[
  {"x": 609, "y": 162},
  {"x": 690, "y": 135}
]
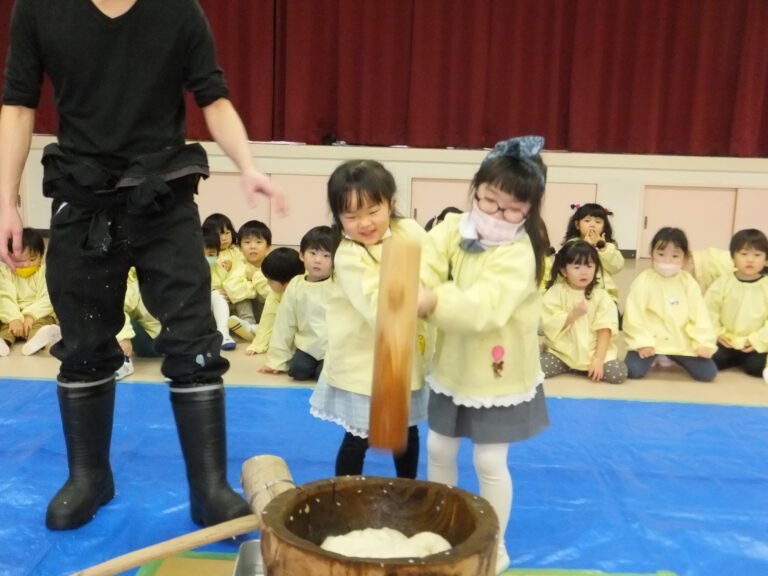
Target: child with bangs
[
  {"x": 246, "y": 286},
  {"x": 591, "y": 223},
  {"x": 228, "y": 250},
  {"x": 666, "y": 313},
  {"x": 361, "y": 196},
  {"x": 738, "y": 306},
  {"x": 481, "y": 274},
  {"x": 579, "y": 319}
]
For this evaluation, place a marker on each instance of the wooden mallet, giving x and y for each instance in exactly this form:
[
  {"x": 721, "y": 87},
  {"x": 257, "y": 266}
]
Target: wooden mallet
[
  {"x": 263, "y": 478},
  {"x": 395, "y": 343}
]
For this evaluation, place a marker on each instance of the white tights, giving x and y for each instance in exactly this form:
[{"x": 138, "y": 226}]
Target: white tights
[
  {"x": 493, "y": 474},
  {"x": 220, "y": 309}
]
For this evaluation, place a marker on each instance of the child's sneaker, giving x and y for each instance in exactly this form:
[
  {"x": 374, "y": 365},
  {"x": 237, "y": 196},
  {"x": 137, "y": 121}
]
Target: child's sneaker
[
  {"x": 125, "y": 370},
  {"x": 240, "y": 328},
  {"x": 4, "y": 349},
  {"x": 46, "y": 336},
  {"x": 228, "y": 344}
]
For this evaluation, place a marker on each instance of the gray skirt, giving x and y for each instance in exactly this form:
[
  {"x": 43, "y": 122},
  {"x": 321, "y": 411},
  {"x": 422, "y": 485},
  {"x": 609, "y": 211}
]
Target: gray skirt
[{"x": 495, "y": 425}]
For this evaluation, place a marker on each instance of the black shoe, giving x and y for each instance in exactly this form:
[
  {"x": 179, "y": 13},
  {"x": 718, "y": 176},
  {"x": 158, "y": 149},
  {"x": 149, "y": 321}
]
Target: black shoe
[
  {"x": 86, "y": 416},
  {"x": 201, "y": 425}
]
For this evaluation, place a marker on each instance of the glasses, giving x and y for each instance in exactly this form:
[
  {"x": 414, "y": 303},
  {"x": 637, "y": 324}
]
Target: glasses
[{"x": 512, "y": 215}]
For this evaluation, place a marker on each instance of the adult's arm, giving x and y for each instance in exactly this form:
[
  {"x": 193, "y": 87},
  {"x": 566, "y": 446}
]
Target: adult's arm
[
  {"x": 16, "y": 125},
  {"x": 227, "y": 129}
]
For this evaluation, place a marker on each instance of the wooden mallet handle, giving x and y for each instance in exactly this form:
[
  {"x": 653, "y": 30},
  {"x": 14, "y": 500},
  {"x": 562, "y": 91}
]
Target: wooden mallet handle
[
  {"x": 263, "y": 478},
  {"x": 395, "y": 343}
]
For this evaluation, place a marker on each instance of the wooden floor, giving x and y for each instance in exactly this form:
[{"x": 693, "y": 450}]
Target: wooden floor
[{"x": 662, "y": 384}]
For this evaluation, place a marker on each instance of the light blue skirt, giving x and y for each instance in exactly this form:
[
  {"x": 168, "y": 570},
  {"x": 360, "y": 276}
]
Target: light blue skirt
[{"x": 352, "y": 411}]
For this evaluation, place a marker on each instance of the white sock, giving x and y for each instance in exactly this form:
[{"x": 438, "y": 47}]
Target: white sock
[
  {"x": 4, "y": 349},
  {"x": 495, "y": 481},
  {"x": 46, "y": 336},
  {"x": 441, "y": 458},
  {"x": 765, "y": 374},
  {"x": 220, "y": 310}
]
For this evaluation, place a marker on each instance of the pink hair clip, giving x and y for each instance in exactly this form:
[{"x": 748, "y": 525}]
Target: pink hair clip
[{"x": 575, "y": 206}]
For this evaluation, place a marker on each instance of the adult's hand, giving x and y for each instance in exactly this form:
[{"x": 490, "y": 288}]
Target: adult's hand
[
  {"x": 10, "y": 236},
  {"x": 255, "y": 183}
]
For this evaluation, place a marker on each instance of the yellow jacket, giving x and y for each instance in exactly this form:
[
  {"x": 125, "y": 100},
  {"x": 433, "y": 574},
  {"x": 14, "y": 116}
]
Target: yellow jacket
[
  {"x": 576, "y": 345},
  {"x": 218, "y": 276},
  {"x": 667, "y": 314},
  {"x": 239, "y": 288},
  {"x": 487, "y": 314},
  {"x": 709, "y": 264},
  {"x": 21, "y": 297},
  {"x": 300, "y": 322},
  {"x": 612, "y": 262},
  {"x": 739, "y": 311},
  {"x": 233, "y": 254},
  {"x": 260, "y": 343},
  {"x": 351, "y": 313},
  {"x": 133, "y": 307}
]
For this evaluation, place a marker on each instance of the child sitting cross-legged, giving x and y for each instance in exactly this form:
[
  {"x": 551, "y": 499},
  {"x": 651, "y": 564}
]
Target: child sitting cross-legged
[
  {"x": 26, "y": 311},
  {"x": 279, "y": 268},
  {"x": 299, "y": 336}
]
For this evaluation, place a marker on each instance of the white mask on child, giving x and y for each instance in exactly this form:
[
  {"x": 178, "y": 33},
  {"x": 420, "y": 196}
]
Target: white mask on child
[
  {"x": 211, "y": 260},
  {"x": 494, "y": 231},
  {"x": 666, "y": 269}
]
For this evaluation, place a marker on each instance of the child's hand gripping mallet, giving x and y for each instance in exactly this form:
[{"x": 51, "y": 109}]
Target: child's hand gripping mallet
[{"x": 263, "y": 478}]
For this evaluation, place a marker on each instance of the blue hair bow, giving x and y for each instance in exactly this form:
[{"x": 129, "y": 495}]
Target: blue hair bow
[{"x": 522, "y": 148}]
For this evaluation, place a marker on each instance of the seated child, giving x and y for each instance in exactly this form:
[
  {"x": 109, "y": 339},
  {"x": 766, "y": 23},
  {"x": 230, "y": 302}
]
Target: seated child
[
  {"x": 590, "y": 222},
  {"x": 299, "y": 337},
  {"x": 140, "y": 329},
  {"x": 279, "y": 268},
  {"x": 708, "y": 265},
  {"x": 26, "y": 311},
  {"x": 579, "y": 318},
  {"x": 245, "y": 285},
  {"x": 666, "y": 313},
  {"x": 738, "y": 306},
  {"x": 229, "y": 253},
  {"x": 219, "y": 299}
]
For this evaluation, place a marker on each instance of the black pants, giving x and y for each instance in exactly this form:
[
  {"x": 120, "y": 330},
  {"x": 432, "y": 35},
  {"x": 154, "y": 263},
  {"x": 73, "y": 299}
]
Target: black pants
[
  {"x": 88, "y": 291},
  {"x": 304, "y": 366},
  {"x": 351, "y": 456},
  {"x": 753, "y": 363}
]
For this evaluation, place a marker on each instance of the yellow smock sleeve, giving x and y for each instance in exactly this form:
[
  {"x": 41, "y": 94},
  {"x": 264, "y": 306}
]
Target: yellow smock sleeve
[
  {"x": 699, "y": 328},
  {"x": 611, "y": 258},
  {"x": 636, "y": 333},
  {"x": 260, "y": 343},
  {"x": 281, "y": 344}
]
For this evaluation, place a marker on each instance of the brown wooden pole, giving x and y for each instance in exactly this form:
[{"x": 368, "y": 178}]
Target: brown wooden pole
[{"x": 394, "y": 344}]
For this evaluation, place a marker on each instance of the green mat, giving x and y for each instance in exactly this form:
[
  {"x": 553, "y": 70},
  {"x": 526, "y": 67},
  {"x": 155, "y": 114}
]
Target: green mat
[{"x": 165, "y": 567}]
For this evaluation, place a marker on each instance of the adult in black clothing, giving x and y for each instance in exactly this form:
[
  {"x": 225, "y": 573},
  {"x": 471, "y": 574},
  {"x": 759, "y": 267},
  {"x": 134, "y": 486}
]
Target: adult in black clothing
[{"x": 122, "y": 181}]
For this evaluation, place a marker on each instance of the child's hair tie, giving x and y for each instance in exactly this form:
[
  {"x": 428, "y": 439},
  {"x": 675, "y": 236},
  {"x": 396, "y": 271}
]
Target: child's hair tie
[
  {"x": 522, "y": 148},
  {"x": 575, "y": 206},
  {"x": 607, "y": 212}
]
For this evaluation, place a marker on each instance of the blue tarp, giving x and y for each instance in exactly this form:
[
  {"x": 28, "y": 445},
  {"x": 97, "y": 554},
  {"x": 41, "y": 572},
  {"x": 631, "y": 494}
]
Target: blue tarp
[{"x": 613, "y": 486}]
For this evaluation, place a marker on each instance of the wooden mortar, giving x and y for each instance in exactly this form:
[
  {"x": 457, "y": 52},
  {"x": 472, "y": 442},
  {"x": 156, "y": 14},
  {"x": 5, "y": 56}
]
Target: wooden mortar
[{"x": 296, "y": 522}]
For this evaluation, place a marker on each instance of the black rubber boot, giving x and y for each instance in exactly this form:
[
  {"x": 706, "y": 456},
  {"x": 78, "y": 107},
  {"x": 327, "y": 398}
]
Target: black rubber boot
[
  {"x": 202, "y": 433},
  {"x": 86, "y": 416}
]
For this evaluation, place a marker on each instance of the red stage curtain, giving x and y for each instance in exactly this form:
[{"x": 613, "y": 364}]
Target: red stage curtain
[
  {"x": 650, "y": 76},
  {"x": 345, "y": 71}
]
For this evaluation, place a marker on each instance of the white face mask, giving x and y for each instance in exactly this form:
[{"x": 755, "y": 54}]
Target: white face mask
[
  {"x": 494, "y": 230},
  {"x": 667, "y": 270},
  {"x": 211, "y": 260}
]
